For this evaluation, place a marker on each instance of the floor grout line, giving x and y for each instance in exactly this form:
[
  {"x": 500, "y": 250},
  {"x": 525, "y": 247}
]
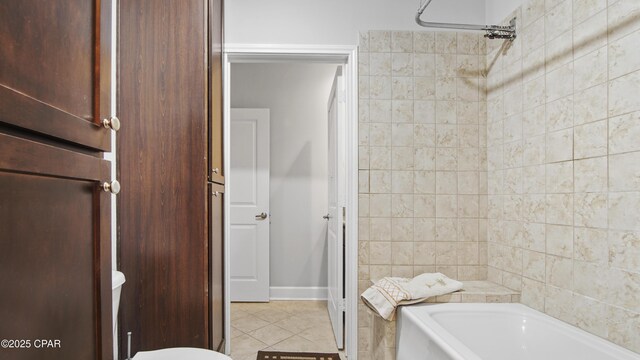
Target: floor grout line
[{"x": 295, "y": 310}]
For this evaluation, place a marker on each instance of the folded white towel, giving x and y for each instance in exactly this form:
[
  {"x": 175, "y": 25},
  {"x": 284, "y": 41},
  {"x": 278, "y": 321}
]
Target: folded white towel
[{"x": 390, "y": 292}]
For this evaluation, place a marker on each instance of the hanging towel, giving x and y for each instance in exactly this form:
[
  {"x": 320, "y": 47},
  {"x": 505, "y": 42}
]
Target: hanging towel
[{"x": 390, "y": 292}]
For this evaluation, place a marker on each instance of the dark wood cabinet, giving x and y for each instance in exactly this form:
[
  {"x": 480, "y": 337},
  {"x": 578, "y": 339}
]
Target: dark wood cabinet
[
  {"x": 216, "y": 265},
  {"x": 55, "y": 219},
  {"x": 55, "y": 251},
  {"x": 216, "y": 29},
  {"x": 169, "y": 100},
  {"x": 216, "y": 175},
  {"x": 55, "y": 69}
]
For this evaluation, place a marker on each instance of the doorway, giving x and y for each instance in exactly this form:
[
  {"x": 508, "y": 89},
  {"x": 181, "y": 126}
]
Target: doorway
[{"x": 292, "y": 57}]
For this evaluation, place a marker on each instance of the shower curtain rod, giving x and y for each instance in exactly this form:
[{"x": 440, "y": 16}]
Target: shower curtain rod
[{"x": 492, "y": 31}]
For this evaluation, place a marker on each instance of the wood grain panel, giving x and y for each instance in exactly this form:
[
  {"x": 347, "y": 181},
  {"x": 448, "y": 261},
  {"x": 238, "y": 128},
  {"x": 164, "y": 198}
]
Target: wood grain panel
[
  {"x": 162, "y": 210},
  {"x": 216, "y": 266},
  {"x": 216, "y": 34},
  {"x": 19, "y": 154},
  {"x": 54, "y": 251},
  {"x": 55, "y": 68}
]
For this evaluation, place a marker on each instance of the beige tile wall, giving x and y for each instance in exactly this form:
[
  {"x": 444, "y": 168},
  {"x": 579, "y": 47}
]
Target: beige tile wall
[
  {"x": 563, "y": 135},
  {"x": 423, "y": 180}
]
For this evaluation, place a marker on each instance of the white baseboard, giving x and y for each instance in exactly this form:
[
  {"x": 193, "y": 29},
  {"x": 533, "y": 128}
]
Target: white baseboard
[{"x": 297, "y": 293}]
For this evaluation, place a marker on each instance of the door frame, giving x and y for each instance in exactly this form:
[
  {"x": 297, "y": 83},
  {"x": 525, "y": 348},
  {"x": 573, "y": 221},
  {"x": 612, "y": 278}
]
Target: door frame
[{"x": 274, "y": 53}]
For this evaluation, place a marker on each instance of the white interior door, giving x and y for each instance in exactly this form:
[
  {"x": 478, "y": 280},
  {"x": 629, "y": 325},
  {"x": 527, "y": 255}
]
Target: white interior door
[
  {"x": 249, "y": 218},
  {"x": 336, "y": 216}
]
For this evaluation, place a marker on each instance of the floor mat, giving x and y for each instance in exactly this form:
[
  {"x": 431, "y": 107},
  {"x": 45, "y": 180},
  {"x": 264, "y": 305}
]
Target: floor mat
[{"x": 283, "y": 355}]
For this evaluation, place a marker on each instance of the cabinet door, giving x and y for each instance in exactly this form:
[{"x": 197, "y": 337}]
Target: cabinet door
[
  {"x": 216, "y": 266},
  {"x": 55, "y": 252},
  {"x": 55, "y": 68},
  {"x": 216, "y": 171},
  {"x": 162, "y": 148}
]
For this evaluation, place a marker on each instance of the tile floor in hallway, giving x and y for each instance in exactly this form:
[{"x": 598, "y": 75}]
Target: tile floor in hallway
[{"x": 282, "y": 326}]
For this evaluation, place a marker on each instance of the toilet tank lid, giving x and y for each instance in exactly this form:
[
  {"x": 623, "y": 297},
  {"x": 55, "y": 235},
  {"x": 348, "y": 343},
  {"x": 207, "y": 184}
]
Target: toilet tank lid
[
  {"x": 117, "y": 279},
  {"x": 180, "y": 353}
]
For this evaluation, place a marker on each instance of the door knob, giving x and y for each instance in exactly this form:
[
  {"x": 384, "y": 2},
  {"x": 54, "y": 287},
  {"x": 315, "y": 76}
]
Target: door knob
[
  {"x": 327, "y": 217},
  {"x": 261, "y": 216},
  {"x": 112, "y": 187},
  {"x": 112, "y": 123}
]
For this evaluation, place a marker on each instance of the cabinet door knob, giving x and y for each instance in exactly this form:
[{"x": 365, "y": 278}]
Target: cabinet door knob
[
  {"x": 215, "y": 171},
  {"x": 112, "y": 187},
  {"x": 112, "y": 123}
]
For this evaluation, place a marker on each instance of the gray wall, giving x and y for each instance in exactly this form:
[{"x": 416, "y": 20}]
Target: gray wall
[
  {"x": 335, "y": 22},
  {"x": 497, "y": 10},
  {"x": 297, "y": 95}
]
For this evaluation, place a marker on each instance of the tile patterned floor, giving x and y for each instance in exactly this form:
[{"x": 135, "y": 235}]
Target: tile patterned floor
[{"x": 280, "y": 325}]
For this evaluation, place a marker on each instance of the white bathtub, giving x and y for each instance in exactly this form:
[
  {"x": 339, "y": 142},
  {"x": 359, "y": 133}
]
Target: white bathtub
[{"x": 495, "y": 332}]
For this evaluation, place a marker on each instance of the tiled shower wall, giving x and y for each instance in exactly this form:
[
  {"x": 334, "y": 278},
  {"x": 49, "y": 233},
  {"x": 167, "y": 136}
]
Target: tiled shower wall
[
  {"x": 423, "y": 180},
  {"x": 564, "y": 163}
]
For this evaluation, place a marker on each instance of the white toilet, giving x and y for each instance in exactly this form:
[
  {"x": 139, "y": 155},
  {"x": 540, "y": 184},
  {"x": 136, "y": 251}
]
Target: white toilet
[{"x": 162, "y": 354}]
